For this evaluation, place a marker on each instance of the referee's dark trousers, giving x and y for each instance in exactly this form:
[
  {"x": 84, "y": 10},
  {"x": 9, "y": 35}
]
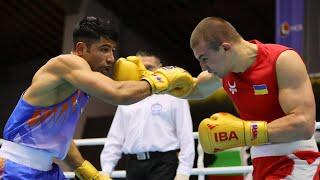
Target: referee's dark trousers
[{"x": 152, "y": 165}]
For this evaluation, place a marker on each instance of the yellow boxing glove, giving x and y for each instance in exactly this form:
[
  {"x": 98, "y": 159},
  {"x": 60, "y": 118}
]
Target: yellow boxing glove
[
  {"x": 88, "y": 172},
  {"x": 130, "y": 68},
  {"x": 170, "y": 80},
  {"x": 224, "y": 131}
]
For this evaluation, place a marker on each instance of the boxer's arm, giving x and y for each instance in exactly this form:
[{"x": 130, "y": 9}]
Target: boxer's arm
[
  {"x": 77, "y": 72},
  {"x": 83, "y": 168},
  {"x": 296, "y": 99},
  {"x": 74, "y": 158},
  {"x": 205, "y": 84}
]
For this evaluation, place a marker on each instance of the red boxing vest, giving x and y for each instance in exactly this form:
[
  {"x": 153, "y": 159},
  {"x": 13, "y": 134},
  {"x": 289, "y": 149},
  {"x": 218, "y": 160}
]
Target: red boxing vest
[{"x": 255, "y": 91}]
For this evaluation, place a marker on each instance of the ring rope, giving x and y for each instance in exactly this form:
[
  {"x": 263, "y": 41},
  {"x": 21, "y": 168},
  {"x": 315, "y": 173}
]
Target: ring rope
[{"x": 194, "y": 171}]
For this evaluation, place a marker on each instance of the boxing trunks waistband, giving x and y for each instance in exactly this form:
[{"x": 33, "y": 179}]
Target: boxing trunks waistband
[
  {"x": 283, "y": 148},
  {"x": 27, "y": 156}
]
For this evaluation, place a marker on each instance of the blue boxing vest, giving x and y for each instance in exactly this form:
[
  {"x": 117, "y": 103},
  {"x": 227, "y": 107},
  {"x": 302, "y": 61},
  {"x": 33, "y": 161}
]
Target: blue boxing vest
[{"x": 47, "y": 128}]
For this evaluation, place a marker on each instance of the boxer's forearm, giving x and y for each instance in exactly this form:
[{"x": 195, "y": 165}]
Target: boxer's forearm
[
  {"x": 205, "y": 85},
  {"x": 290, "y": 128},
  {"x": 83, "y": 169},
  {"x": 74, "y": 158},
  {"x": 128, "y": 92}
]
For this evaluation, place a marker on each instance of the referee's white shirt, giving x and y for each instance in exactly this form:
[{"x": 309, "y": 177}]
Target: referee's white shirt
[{"x": 157, "y": 123}]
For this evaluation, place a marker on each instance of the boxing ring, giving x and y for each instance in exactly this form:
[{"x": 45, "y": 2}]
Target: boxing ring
[{"x": 200, "y": 170}]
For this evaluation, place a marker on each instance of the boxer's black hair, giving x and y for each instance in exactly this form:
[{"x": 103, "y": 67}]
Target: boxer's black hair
[{"x": 90, "y": 29}]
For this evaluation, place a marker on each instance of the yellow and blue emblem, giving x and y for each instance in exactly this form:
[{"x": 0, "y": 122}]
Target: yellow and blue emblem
[{"x": 260, "y": 89}]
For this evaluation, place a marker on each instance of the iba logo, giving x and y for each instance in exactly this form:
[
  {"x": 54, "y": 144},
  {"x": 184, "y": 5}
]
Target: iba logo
[{"x": 225, "y": 136}]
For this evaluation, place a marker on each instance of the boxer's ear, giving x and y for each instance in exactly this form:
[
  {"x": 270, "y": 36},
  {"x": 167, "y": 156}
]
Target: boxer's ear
[{"x": 80, "y": 48}]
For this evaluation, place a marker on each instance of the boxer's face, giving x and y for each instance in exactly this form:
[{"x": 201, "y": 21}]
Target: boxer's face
[
  {"x": 213, "y": 61},
  {"x": 100, "y": 55}
]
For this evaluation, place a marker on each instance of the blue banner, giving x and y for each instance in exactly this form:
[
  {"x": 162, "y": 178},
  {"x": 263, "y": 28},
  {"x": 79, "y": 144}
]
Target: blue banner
[{"x": 289, "y": 23}]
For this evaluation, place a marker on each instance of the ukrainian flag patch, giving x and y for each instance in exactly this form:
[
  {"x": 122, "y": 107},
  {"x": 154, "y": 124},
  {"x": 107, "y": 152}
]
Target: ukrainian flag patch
[{"x": 260, "y": 89}]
